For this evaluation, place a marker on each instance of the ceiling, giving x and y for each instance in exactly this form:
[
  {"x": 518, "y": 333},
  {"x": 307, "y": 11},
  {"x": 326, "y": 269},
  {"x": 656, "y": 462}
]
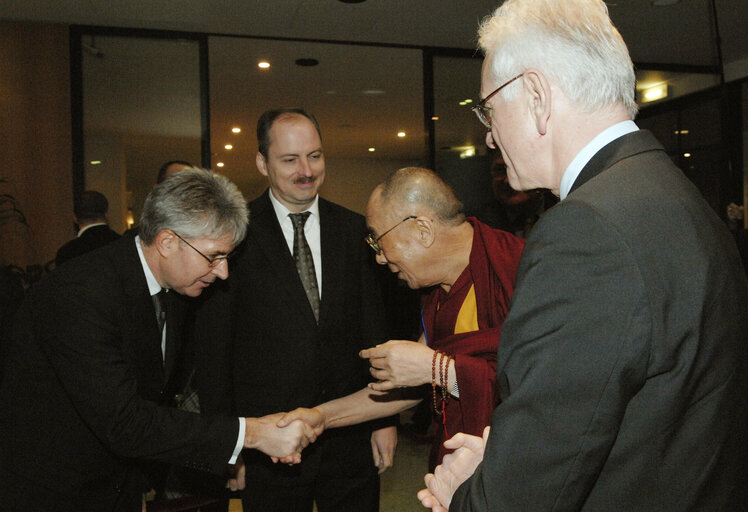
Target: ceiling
[
  {"x": 677, "y": 34},
  {"x": 340, "y": 89}
]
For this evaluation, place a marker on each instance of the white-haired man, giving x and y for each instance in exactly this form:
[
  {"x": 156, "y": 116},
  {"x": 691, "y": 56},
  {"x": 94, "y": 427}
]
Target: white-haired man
[{"x": 620, "y": 365}]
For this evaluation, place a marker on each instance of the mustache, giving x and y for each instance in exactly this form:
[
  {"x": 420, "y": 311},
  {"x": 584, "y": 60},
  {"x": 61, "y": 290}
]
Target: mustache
[{"x": 305, "y": 179}]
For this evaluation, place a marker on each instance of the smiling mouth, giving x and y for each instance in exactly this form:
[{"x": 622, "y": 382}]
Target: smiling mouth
[{"x": 304, "y": 180}]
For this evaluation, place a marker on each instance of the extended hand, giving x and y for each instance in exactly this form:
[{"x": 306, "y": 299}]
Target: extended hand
[
  {"x": 265, "y": 435},
  {"x": 453, "y": 471},
  {"x": 399, "y": 363}
]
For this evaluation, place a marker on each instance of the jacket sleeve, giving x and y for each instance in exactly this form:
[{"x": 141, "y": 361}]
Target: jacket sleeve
[{"x": 82, "y": 337}]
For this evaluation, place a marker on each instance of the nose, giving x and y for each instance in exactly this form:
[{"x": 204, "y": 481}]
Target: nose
[
  {"x": 221, "y": 271},
  {"x": 489, "y": 140},
  {"x": 381, "y": 258},
  {"x": 306, "y": 168}
]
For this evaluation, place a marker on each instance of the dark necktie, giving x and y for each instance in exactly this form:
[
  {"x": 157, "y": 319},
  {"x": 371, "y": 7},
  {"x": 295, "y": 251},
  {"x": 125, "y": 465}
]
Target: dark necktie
[
  {"x": 159, "y": 302},
  {"x": 304, "y": 262}
]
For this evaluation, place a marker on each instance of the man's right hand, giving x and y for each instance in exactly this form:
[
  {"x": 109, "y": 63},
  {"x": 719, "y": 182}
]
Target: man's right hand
[{"x": 285, "y": 442}]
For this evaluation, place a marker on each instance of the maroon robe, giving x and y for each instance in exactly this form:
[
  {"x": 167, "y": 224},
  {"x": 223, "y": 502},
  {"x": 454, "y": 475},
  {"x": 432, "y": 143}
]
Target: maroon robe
[{"x": 492, "y": 269}]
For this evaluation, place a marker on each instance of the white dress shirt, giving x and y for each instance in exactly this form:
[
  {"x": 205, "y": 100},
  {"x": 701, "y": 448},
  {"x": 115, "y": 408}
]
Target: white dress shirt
[
  {"x": 311, "y": 232},
  {"x": 585, "y": 155}
]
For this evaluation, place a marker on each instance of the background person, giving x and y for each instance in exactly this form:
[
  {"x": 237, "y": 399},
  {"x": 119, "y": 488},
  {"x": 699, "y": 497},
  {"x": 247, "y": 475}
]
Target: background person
[{"x": 93, "y": 227}]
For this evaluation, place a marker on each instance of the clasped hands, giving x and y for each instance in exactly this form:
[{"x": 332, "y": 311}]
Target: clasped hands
[{"x": 282, "y": 441}]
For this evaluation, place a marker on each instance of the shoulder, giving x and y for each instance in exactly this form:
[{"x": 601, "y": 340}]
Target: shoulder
[{"x": 328, "y": 209}]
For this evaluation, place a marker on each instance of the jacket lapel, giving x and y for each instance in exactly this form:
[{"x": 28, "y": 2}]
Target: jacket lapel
[
  {"x": 629, "y": 145},
  {"x": 332, "y": 247},
  {"x": 142, "y": 326},
  {"x": 265, "y": 231}
]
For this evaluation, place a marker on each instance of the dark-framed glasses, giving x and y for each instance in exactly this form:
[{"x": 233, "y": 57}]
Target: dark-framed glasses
[
  {"x": 374, "y": 242},
  {"x": 481, "y": 110},
  {"x": 212, "y": 262}
]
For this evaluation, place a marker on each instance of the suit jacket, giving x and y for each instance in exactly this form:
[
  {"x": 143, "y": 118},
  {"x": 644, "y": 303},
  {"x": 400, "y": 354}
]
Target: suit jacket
[
  {"x": 90, "y": 239},
  {"x": 268, "y": 353},
  {"x": 80, "y": 400},
  {"x": 620, "y": 361}
]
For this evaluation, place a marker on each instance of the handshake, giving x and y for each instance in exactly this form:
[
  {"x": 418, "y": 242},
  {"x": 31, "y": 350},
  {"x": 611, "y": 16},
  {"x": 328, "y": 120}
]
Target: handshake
[{"x": 283, "y": 436}]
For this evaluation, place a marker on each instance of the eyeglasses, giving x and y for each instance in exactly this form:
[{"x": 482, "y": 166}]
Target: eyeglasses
[
  {"x": 374, "y": 242},
  {"x": 212, "y": 262},
  {"x": 481, "y": 110}
]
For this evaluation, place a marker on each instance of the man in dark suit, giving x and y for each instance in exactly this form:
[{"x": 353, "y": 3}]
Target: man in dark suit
[
  {"x": 91, "y": 370},
  {"x": 294, "y": 332},
  {"x": 93, "y": 227},
  {"x": 622, "y": 361}
]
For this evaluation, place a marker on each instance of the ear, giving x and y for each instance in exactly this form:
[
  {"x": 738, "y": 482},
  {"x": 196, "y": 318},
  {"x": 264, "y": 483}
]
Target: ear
[
  {"x": 426, "y": 233},
  {"x": 166, "y": 242},
  {"x": 261, "y": 164},
  {"x": 539, "y": 90}
]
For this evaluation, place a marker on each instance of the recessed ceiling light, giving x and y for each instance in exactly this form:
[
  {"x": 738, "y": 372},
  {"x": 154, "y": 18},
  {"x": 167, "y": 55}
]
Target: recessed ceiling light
[
  {"x": 371, "y": 150},
  {"x": 434, "y": 118},
  {"x": 228, "y": 146},
  {"x": 95, "y": 162},
  {"x": 372, "y": 92},
  {"x": 307, "y": 62},
  {"x": 263, "y": 64},
  {"x": 236, "y": 129},
  {"x": 219, "y": 164},
  {"x": 401, "y": 134}
]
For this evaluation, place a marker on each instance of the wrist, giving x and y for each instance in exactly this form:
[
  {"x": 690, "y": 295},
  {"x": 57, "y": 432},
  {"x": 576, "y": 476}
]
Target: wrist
[
  {"x": 250, "y": 433},
  {"x": 323, "y": 413}
]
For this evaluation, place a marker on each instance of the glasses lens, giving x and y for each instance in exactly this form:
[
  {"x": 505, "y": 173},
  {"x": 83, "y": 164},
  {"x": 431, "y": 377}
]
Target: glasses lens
[
  {"x": 482, "y": 115},
  {"x": 372, "y": 243}
]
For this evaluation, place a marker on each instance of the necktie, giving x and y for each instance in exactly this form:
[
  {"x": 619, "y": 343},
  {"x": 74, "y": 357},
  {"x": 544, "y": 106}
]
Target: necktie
[
  {"x": 159, "y": 303},
  {"x": 304, "y": 262}
]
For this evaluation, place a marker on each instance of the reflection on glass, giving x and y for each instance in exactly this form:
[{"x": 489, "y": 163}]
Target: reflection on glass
[
  {"x": 141, "y": 102},
  {"x": 462, "y": 157},
  {"x": 362, "y": 97}
]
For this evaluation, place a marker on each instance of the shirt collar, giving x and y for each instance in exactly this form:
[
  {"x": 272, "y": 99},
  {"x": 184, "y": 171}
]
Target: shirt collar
[
  {"x": 80, "y": 232},
  {"x": 282, "y": 212},
  {"x": 600, "y": 141},
  {"x": 153, "y": 286}
]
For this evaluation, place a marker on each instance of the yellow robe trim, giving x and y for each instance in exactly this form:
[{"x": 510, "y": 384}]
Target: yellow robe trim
[{"x": 467, "y": 319}]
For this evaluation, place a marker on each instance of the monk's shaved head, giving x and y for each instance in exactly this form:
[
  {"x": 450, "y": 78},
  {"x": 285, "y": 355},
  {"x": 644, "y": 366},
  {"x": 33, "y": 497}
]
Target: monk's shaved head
[{"x": 414, "y": 189}]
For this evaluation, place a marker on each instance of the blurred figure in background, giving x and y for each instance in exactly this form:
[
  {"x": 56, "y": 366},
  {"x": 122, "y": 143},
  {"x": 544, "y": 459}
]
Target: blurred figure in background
[{"x": 93, "y": 227}]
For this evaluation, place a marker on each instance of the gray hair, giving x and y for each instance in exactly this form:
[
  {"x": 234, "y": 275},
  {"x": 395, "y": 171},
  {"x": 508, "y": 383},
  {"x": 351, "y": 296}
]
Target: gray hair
[
  {"x": 415, "y": 189},
  {"x": 571, "y": 41},
  {"x": 196, "y": 203}
]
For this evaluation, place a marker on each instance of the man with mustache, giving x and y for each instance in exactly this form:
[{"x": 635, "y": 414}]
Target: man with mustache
[{"x": 303, "y": 301}]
